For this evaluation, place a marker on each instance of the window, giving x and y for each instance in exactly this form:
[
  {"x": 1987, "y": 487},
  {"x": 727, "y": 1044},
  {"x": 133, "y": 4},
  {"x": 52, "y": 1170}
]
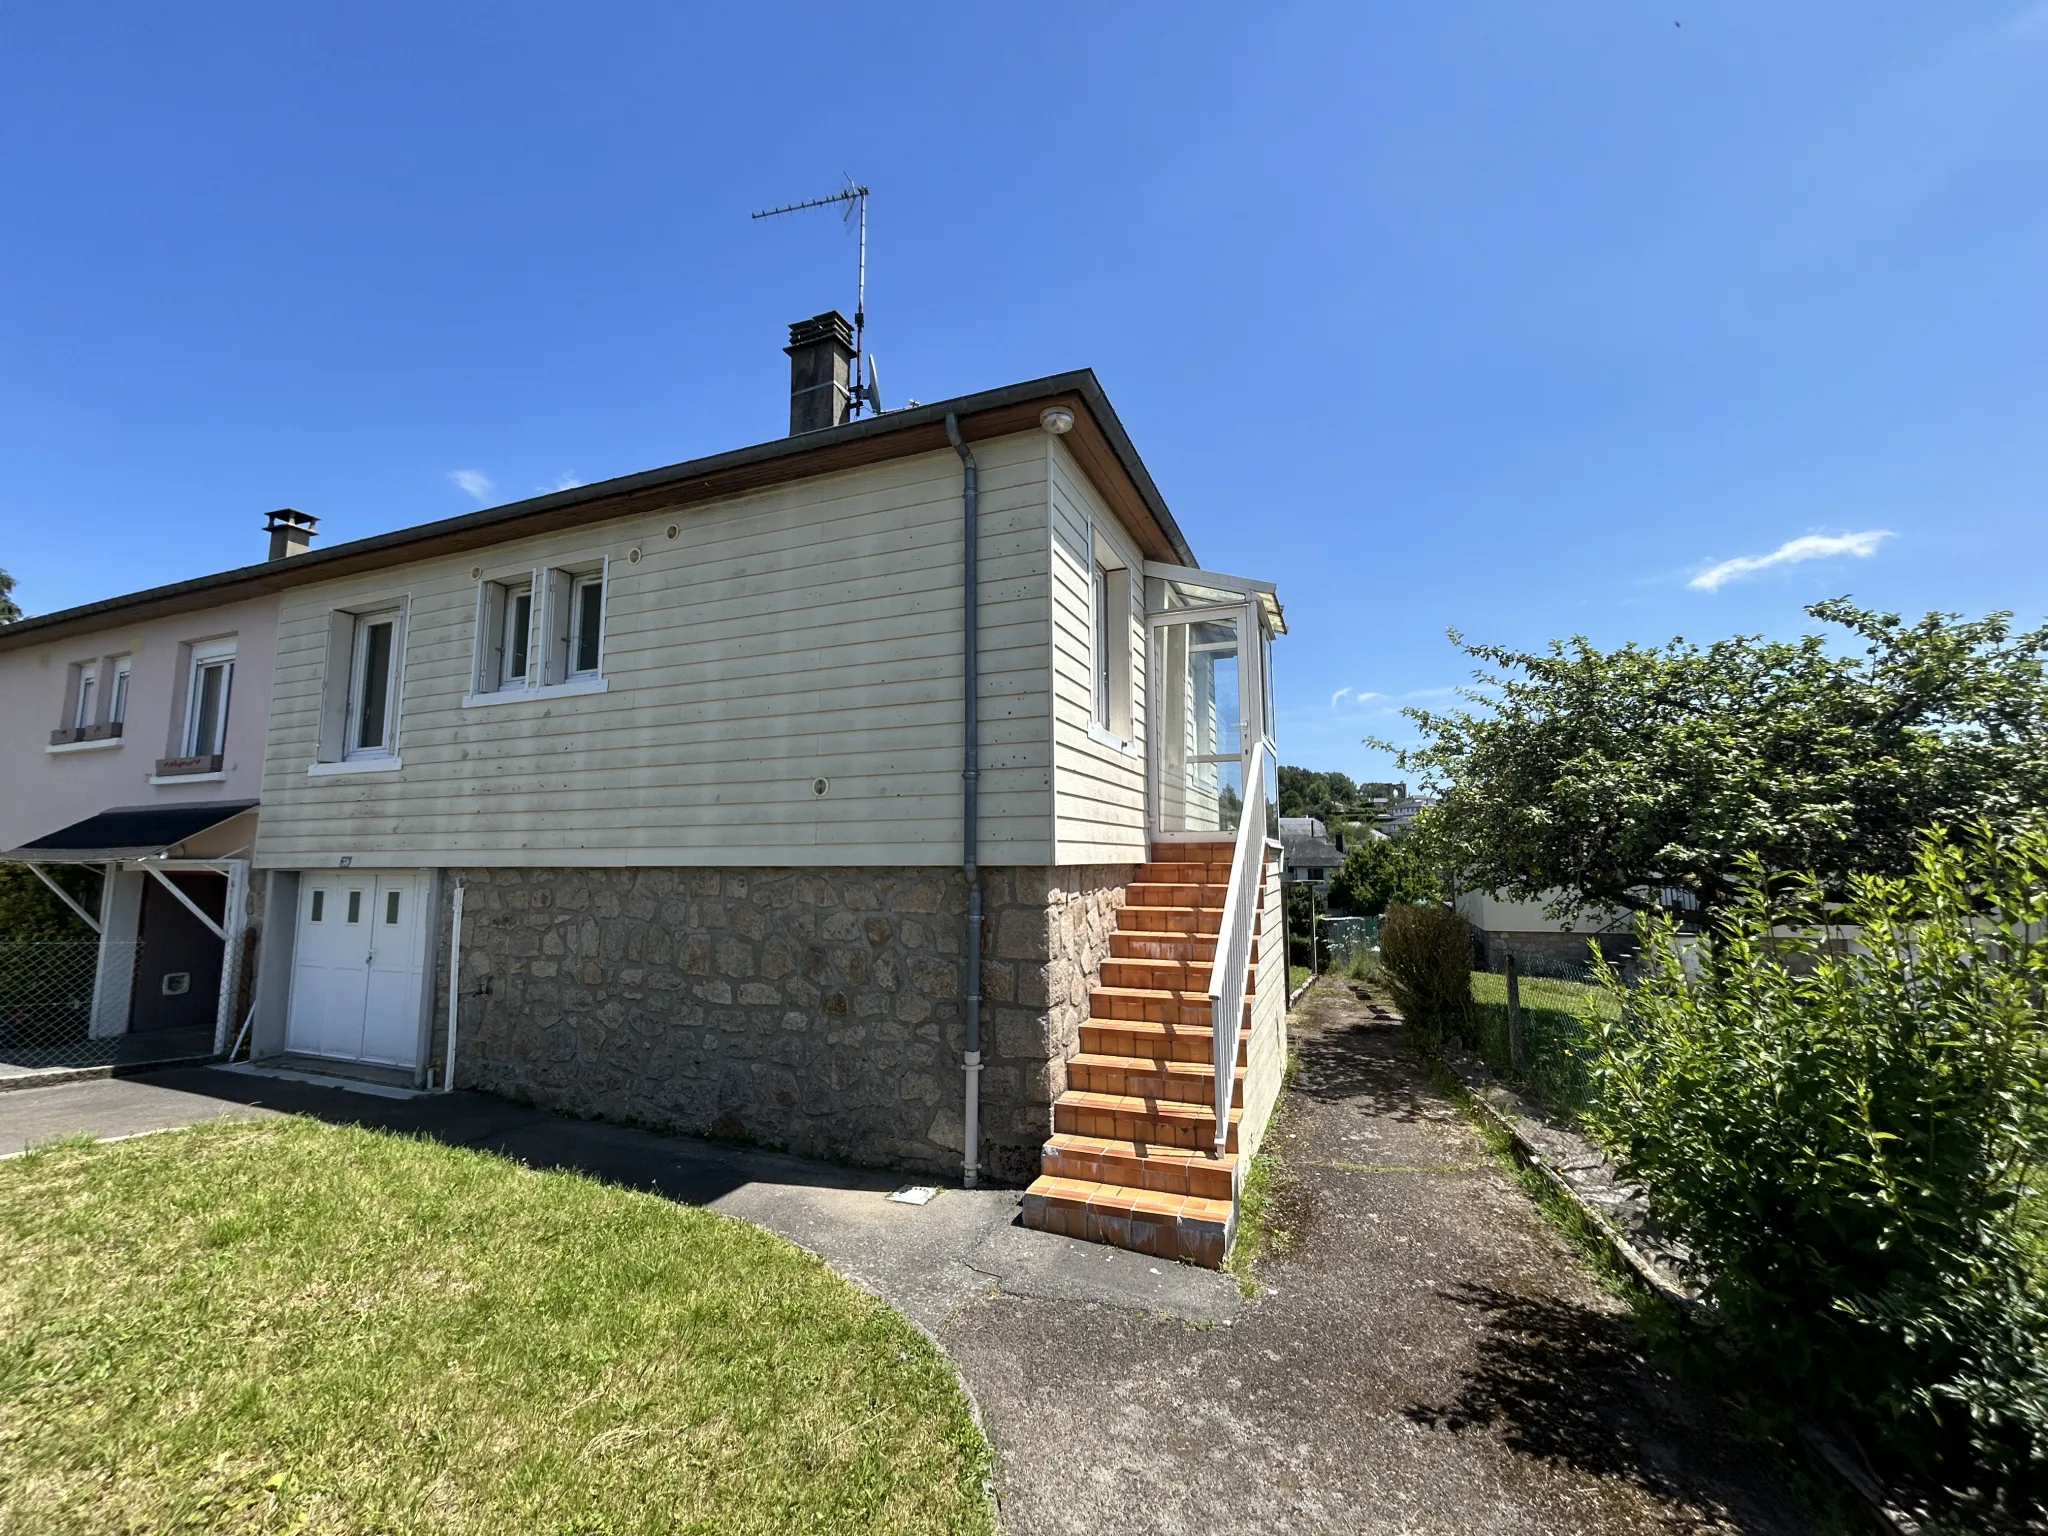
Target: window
[
  {"x": 1102, "y": 669},
  {"x": 319, "y": 912},
  {"x": 391, "y": 909},
  {"x": 586, "y": 624},
  {"x": 355, "y": 906},
  {"x": 117, "y": 701},
  {"x": 517, "y": 637},
  {"x": 1109, "y": 598},
  {"x": 539, "y": 632},
  {"x": 373, "y": 675},
  {"x": 206, "y": 699},
  {"x": 82, "y": 717}
]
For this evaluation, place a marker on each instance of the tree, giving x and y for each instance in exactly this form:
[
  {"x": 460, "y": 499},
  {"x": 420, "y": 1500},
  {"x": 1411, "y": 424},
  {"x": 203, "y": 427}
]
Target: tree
[
  {"x": 1377, "y": 874},
  {"x": 10, "y": 610},
  {"x": 1325, "y": 796},
  {"x": 1592, "y": 777}
]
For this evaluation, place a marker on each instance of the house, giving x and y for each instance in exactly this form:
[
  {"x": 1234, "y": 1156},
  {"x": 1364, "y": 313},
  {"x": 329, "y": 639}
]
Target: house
[
  {"x": 134, "y": 744},
  {"x": 892, "y": 791},
  {"x": 1532, "y": 932},
  {"x": 1307, "y": 854}
]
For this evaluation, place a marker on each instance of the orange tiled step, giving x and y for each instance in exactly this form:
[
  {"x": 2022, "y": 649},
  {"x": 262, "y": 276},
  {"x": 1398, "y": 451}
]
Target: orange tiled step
[
  {"x": 1155, "y": 1041},
  {"x": 1129, "y": 1117},
  {"x": 1174, "y": 872},
  {"x": 1156, "y": 1005},
  {"x": 1202, "y": 897},
  {"x": 1170, "y": 920},
  {"x": 1150, "y": 1077},
  {"x": 1140, "y": 1165},
  {"x": 1166, "y": 1226}
]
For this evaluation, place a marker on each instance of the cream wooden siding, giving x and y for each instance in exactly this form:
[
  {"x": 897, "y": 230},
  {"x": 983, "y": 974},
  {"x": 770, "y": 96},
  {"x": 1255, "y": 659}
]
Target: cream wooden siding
[
  {"x": 808, "y": 631},
  {"x": 1098, "y": 791}
]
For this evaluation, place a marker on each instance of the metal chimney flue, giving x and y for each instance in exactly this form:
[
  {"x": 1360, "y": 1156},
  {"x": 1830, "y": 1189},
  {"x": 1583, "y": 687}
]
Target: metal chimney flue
[
  {"x": 820, "y": 372},
  {"x": 291, "y": 531}
]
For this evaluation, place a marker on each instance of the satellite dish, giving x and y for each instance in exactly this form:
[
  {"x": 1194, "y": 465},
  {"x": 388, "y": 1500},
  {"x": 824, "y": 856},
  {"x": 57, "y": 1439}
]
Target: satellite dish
[{"x": 871, "y": 391}]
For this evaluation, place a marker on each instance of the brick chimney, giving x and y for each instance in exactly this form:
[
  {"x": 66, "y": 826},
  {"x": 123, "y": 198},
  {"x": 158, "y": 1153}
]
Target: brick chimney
[
  {"x": 820, "y": 371},
  {"x": 291, "y": 531}
]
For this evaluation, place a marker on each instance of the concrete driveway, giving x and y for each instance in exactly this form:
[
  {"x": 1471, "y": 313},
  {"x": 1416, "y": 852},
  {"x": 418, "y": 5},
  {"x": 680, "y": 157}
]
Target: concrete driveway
[{"x": 1426, "y": 1356}]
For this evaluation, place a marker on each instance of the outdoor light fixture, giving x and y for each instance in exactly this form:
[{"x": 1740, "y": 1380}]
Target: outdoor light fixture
[{"x": 1057, "y": 420}]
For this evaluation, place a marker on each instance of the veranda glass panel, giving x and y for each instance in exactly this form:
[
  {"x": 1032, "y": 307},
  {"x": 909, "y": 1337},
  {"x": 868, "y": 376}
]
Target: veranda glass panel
[{"x": 1199, "y": 731}]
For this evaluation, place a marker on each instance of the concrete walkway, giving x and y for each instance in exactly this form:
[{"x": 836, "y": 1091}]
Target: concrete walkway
[{"x": 1426, "y": 1356}]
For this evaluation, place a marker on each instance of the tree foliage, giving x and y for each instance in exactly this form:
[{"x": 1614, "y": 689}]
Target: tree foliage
[
  {"x": 1850, "y": 1141},
  {"x": 1378, "y": 873},
  {"x": 1602, "y": 775},
  {"x": 1326, "y": 796},
  {"x": 10, "y": 610},
  {"x": 28, "y": 909}
]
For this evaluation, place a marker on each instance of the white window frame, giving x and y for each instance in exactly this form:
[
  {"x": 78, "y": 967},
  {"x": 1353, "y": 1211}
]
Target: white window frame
[
  {"x": 206, "y": 656},
  {"x": 511, "y": 641},
  {"x": 1112, "y": 689},
  {"x": 83, "y": 705},
  {"x": 117, "y": 690},
  {"x": 578, "y": 584},
  {"x": 358, "y": 698},
  {"x": 554, "y": 634}
]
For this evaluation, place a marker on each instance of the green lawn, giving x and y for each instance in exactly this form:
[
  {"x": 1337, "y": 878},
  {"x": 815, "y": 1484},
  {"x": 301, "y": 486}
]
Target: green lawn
[
  {"x": 1296, "y": 975},
  {"x": 1556, "y": 1016},
  {"x": 294, "y": 1327}
]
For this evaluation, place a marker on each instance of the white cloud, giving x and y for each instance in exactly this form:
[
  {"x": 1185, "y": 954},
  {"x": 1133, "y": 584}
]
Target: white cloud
[
  {"x": 1812, "y": 546},
  {"x": 566, "y": 483},
  {"x": 1356, "y": 695},
  {"x": 474, "y": 482}
]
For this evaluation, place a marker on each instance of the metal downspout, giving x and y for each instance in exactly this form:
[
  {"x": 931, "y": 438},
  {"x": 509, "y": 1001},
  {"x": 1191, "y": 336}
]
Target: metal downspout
[{"x": 970, "y": 775}]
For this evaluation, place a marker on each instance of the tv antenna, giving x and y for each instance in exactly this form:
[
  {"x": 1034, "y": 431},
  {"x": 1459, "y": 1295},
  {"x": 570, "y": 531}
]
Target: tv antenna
[{"x": 866, "y": 383}]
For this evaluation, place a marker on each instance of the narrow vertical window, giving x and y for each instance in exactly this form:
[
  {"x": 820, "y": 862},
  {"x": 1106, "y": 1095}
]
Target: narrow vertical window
[
  {"x": 518, "y": 635},
  {"x": 88, "y": 695},
  {"x": 586, "y": 624},
  {"x": 355, "y": 906},
  {"x": 117, "y": 702},
  {"x": 1102, "y": 669},
  {"x": 206, "y": 709},
  {"x": 371, "y": 685},
  {"x": 391, "y": 908},
  {"x": 319, "y": 913}
]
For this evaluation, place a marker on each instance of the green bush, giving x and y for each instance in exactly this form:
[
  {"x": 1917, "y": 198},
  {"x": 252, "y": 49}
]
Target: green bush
[
  {"x": 1849, "y": 1139},
  {"x": 1426, "y": 953}
]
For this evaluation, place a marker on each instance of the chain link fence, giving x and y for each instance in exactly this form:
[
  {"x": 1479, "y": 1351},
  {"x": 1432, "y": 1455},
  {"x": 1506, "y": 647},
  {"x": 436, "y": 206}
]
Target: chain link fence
[{"x": 47, "y": 987}]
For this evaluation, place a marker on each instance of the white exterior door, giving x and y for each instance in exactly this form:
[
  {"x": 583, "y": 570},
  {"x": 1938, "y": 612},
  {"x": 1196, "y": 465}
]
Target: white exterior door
[{"x": 357, "y": 967}]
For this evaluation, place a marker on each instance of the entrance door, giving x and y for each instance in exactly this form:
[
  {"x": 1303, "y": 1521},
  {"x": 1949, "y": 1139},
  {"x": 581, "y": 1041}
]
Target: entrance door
[
  {"x": 357, "y": 967},
  {"x": 177, "y": 969},
  {"x": 1208, "y": 697}
]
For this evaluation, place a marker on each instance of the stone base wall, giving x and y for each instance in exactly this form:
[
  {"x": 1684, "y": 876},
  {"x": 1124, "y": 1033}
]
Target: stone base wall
[{"x": 819, "y": 1011}]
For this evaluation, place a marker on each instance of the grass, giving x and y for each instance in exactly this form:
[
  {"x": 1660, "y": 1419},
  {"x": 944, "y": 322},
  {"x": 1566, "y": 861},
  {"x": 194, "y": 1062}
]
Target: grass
[
  {"x": 1556, "y": 1017},
  {"x": 1296, "y": 975},
  {"x": 297, "y": 1327}
]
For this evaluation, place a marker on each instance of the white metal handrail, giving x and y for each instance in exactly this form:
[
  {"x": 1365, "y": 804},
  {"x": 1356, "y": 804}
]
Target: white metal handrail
[{"x": 1234, "y": 938}]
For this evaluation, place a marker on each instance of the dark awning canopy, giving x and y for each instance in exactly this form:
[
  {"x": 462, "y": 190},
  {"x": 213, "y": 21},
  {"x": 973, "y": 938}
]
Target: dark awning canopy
[{"x": 127, "y": 832}]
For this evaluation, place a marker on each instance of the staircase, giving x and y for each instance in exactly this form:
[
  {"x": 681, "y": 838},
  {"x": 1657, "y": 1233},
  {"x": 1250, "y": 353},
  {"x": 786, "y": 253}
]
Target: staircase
[{"x": 1133, "y": 1160}]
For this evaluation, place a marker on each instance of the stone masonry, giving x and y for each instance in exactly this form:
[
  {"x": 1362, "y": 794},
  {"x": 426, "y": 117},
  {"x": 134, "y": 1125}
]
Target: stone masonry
[{"x": 814, "y": 1010}]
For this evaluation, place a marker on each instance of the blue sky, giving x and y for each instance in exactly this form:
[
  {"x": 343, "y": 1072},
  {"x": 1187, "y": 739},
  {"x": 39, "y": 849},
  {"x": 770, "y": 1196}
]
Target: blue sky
[{"x": 1522, "y": 319}]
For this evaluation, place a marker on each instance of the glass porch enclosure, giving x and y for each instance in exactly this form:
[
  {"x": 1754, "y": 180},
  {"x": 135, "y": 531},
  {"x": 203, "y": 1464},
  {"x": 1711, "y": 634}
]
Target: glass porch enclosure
[{"x": 1209, "y": 697}]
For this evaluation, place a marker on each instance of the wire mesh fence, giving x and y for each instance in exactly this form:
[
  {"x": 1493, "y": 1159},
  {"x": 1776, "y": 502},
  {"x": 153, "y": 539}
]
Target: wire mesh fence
[{"x": 47, "y": 987}]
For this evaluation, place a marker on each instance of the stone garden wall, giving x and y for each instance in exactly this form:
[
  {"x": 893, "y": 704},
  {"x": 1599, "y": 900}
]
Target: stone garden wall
[{"x": 819, "y": 1011}]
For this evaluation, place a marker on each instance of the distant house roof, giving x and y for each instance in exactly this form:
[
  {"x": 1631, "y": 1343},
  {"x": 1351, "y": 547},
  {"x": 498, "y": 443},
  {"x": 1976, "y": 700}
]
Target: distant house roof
[{"x": 1305, "y": 844}]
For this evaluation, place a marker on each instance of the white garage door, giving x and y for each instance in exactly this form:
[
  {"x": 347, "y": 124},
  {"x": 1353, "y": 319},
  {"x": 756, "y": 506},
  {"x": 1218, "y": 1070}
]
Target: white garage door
[{"x": 357, "y": 967}]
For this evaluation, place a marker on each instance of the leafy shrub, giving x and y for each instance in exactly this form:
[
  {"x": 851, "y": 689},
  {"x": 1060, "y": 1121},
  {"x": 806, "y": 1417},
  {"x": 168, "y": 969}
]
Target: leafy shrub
[
  {"x": 1426, "y": 953},
  {"x": 1849, "y": 1138}
]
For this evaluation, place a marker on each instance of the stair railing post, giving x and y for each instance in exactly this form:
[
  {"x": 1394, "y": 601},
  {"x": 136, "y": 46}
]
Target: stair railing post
[{"x": 1233, "y": 939}]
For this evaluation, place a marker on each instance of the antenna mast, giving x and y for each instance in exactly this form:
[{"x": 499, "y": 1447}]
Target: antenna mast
[{"x": 856, "y": 199}]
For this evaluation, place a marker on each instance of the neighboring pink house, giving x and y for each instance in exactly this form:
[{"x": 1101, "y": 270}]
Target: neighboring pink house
[{"x": 134, "y": 744}]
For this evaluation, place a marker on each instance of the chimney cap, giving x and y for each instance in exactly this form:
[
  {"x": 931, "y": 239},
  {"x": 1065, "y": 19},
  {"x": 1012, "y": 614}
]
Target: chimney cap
[
  {"x": 289, "y": 517},
  {"x": 830, "y": 326}
]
